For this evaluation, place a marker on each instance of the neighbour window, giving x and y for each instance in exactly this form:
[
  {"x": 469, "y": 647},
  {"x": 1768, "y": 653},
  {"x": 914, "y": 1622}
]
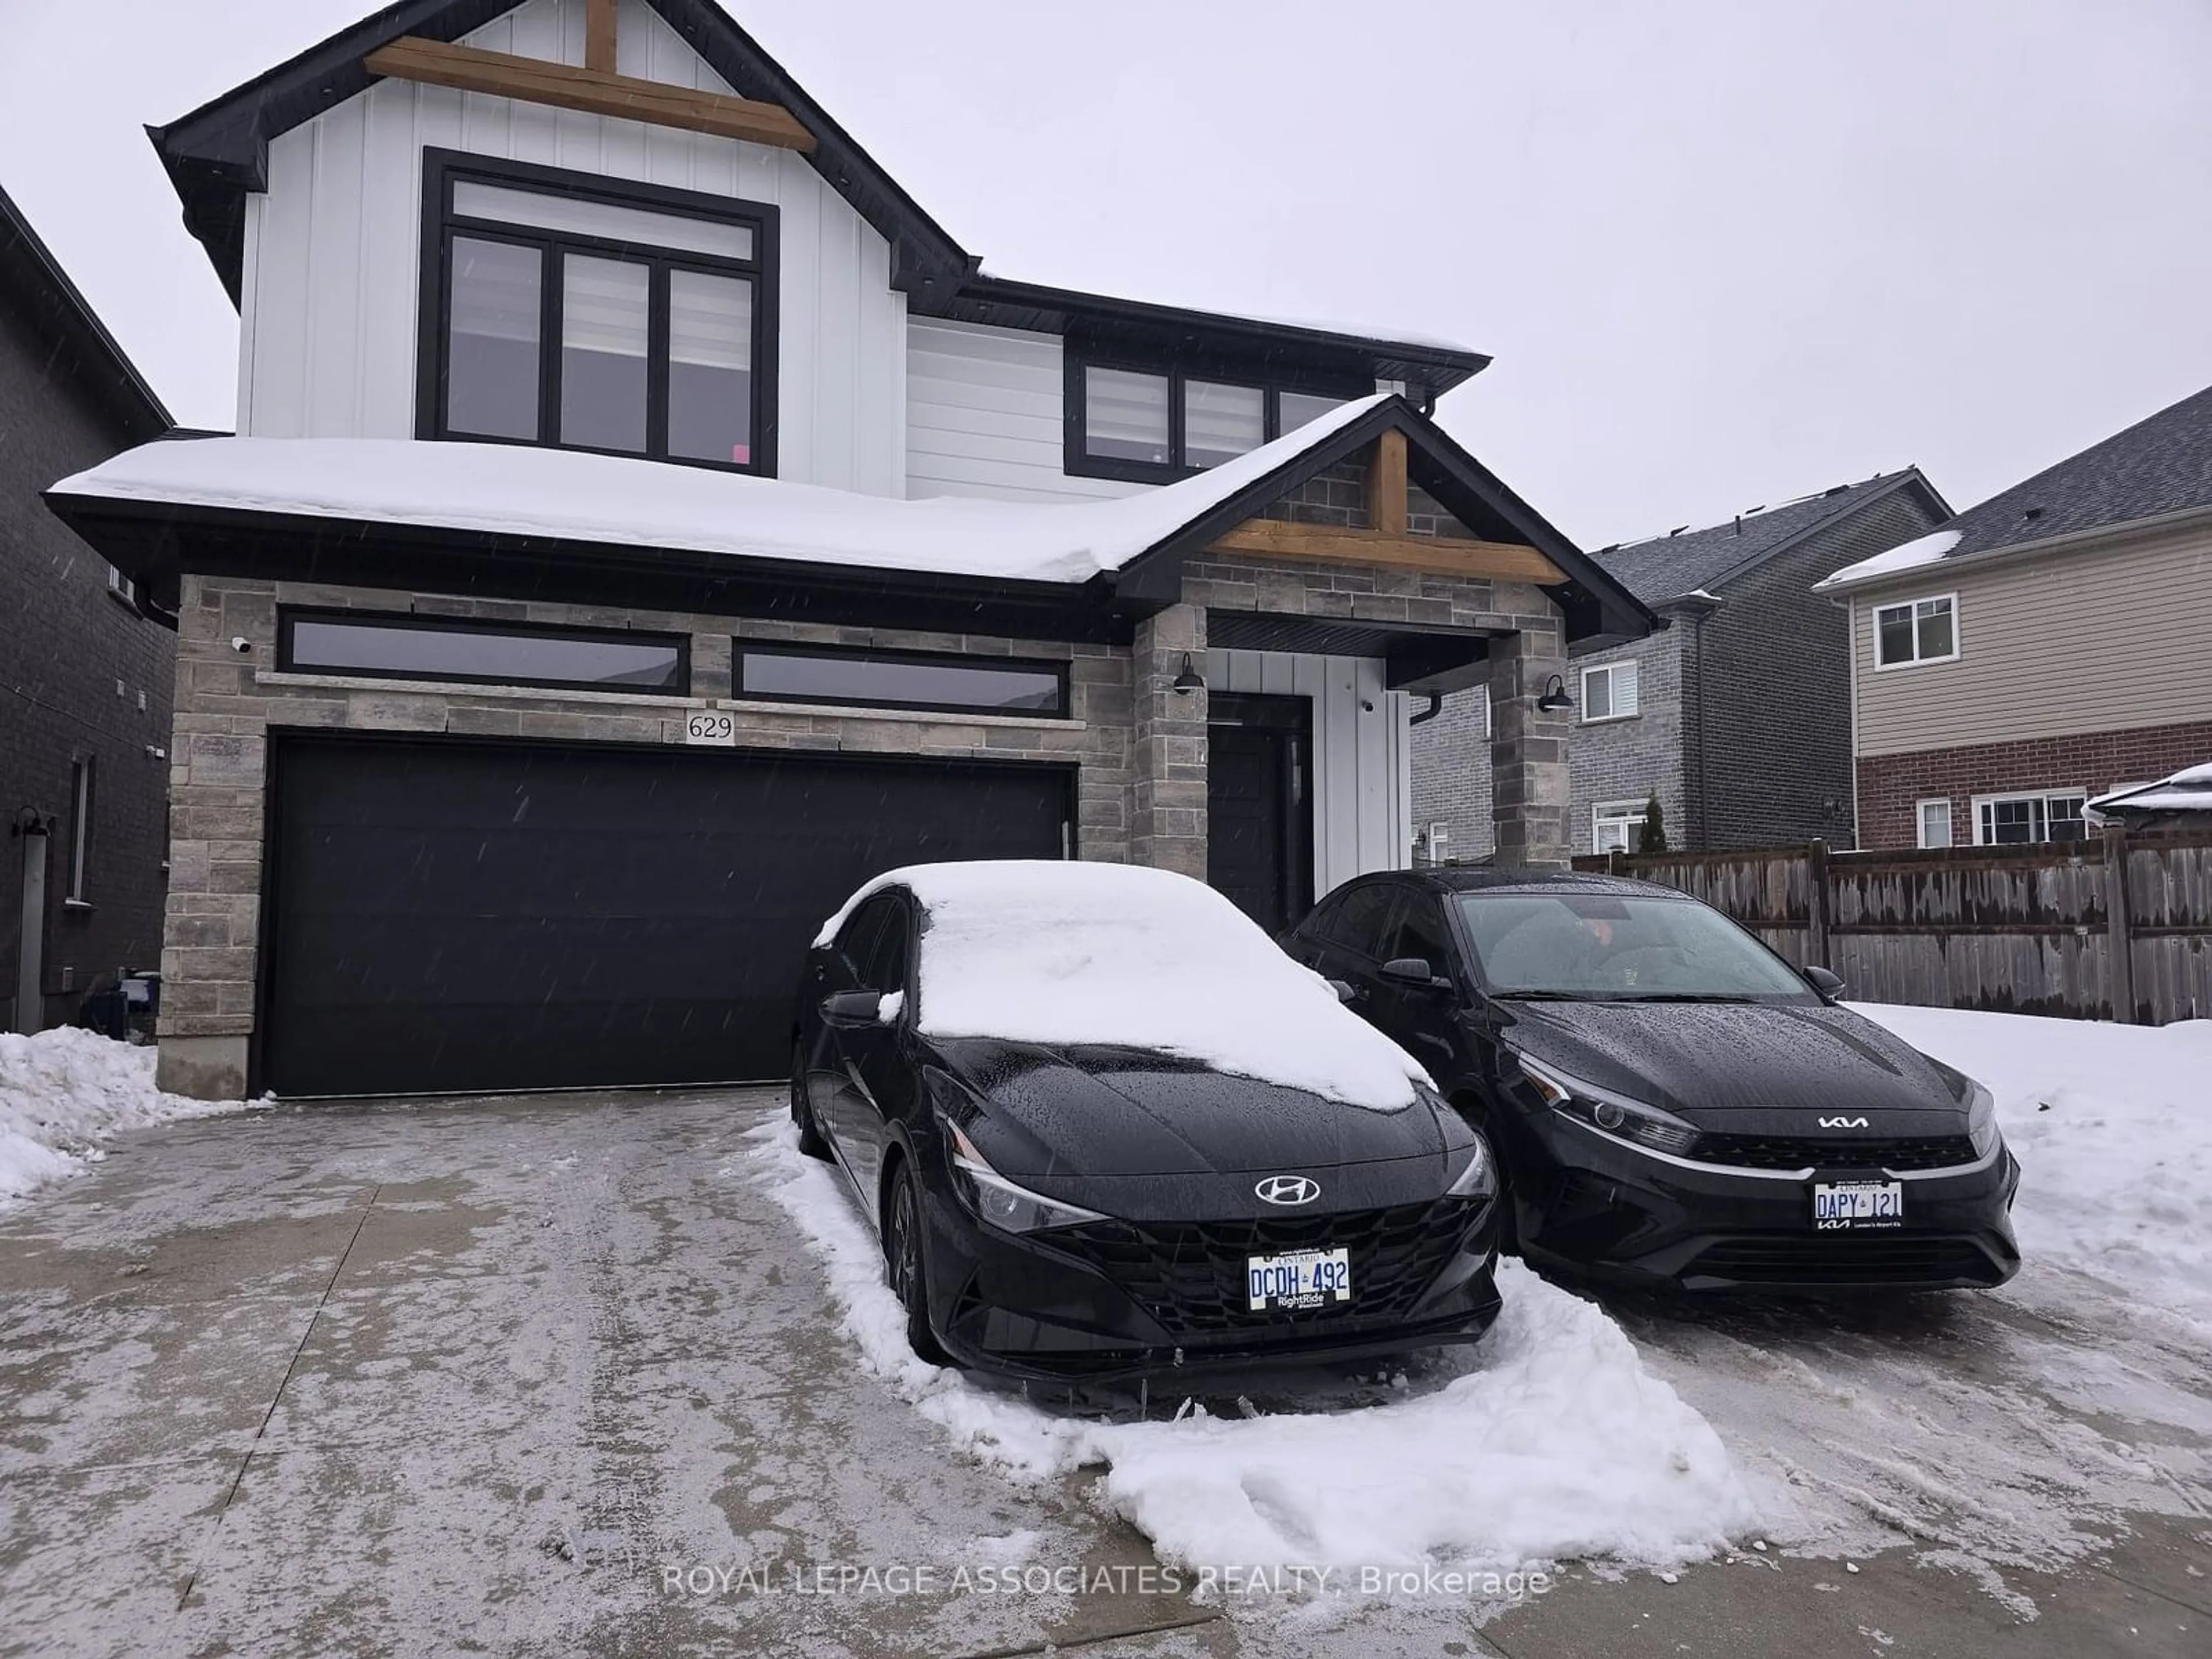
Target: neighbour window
[
  {"x": 2025, "y": 819},
  {"x": 878, "y": 679},
  {"x": 1915, "y": 631},
  {"x": 1608, "y": 693},
  {"x": 1615, "y": 824},
  {"x": 1934, "y": 822},
  {"x": 1356, "y": 922},
  {"x": 574, "y": 311},
  {"x": 491, "y": 653},
  {"x": 80, "y": 840},
  {"x": 1156, "y": 421},
  {"x": 120, "y": 585}
]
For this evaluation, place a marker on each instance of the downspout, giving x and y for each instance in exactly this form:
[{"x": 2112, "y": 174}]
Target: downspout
[{"x": 1435, "y": 707}]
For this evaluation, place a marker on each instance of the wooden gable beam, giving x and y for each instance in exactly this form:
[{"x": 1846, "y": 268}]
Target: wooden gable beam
[
  {"x": 1385, "y": 484},
  {"x": 594, "y": 91},
  {"x": 1441, "y": 556},
  {"x": 599, "y": 35}
]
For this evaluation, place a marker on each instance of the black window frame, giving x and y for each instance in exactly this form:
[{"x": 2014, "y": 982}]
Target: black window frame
[
  {"x": 741, "y": 648},
  {"x": 442, "y": 169},
  {"x": 1078, "y": 359},
  {"x": 288, "y": 662}
]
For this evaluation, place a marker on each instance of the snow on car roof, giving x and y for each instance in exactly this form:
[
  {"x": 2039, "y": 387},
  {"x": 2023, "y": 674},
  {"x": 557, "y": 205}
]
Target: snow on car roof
[
  {"x": 622, "y": 500},
  {"x": 1077, "y": 953}
]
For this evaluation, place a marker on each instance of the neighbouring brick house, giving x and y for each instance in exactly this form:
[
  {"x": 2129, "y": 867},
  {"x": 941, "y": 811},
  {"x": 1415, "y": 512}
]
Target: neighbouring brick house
[
  {"x": 1736, "y": 715},
  {"x": 2045, "y": 647},
  {"x": 563, "y": 636},
  {"x": 86, "y": 670}
]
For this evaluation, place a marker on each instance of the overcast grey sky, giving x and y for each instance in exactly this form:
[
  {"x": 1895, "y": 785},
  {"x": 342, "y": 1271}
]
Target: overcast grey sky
[{"x": 1725, "y": 251}]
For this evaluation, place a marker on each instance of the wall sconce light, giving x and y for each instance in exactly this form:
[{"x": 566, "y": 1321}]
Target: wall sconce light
[
  {"x": 1555, "y": 699},
  {"x": 1188, "y": 681}
]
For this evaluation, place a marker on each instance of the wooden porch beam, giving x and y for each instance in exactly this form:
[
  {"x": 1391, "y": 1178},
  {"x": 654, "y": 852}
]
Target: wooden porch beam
[
  {"x": 594, "y": 92},
  {"x": 1443, "y": 555},
  {"x": 599, "y": 35},
  {"x": 1385, "y": 484}
]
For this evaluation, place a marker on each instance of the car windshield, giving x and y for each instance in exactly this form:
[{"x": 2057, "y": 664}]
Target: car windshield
[{"x": 1611, "y": 947}]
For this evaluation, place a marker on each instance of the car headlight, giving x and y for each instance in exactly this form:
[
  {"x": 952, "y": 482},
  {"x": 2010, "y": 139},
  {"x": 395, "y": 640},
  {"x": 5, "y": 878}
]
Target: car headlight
[
  {"x": 1982, "y": 1119},
  {"x": 1001, "y": 1203},
  {"x": 1479, "y": 1178},
  {"x": 1616, "y": 1114}
]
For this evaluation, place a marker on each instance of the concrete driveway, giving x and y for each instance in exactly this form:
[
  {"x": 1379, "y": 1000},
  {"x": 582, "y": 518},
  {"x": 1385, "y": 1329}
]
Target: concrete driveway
[{"x": 557, "y": 1376}]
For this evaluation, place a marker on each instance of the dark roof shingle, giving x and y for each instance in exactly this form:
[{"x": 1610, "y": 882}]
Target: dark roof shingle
[{"x": 1667, "y": 567}]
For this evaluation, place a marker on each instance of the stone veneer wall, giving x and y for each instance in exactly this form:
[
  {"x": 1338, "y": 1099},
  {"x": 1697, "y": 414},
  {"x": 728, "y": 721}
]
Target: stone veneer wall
[{"x": 229, "y": 701}]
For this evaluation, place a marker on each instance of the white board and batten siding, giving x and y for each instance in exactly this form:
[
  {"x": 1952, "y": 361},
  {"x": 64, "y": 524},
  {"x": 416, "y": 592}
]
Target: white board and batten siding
[
  {"x": 332, "y": 258},
  {"x": 983, "y": 416},
  {"x": 1361, "y": 780}
]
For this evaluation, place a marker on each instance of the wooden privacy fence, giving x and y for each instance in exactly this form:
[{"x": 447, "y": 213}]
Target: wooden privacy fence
[{"x": 2115, "y": 928}]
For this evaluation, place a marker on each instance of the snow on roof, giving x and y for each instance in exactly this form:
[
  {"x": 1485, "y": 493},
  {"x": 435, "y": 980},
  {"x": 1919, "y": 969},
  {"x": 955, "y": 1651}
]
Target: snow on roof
[
  {"x": 1079, "y": 953},
  {"x": 1925, "y": 550},
  {"x": 2189, "y": 790},
  {"x": 569, "y": 496}
]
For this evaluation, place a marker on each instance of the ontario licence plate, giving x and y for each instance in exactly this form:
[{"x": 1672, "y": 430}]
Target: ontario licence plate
[
  {"x": 1298, "y": 1278},
  {"x": 1842, "y": 1205}
]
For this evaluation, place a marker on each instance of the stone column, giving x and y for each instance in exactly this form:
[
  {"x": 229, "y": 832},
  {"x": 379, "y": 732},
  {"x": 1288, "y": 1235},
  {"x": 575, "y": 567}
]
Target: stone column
[
  {"x": 1529, "y": 791},
  {"x": 1167, "y": 758}
]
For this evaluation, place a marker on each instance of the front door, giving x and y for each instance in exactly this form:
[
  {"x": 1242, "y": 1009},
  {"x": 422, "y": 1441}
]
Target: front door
[{"x": 1259, "y": 804}]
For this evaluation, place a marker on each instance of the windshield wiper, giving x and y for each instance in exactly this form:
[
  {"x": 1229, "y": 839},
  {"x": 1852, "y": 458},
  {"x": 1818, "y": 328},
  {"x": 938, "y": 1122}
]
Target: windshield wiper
[
  {"x": 1692, "y": 996},
  {"x": 1552, "y": 996}
]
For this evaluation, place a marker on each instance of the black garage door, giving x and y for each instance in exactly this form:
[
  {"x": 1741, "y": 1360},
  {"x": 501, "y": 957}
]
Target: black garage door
[{"x": 455, "y": 916}]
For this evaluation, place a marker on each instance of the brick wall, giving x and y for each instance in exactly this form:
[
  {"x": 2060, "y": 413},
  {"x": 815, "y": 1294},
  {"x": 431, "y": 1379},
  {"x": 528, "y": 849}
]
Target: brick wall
[
  {"x": 1891, "y": 786},
  {"x": 1629, "y": 759},
  {"x": 1451, "y": 775},
  {"x": 82, "y": 676}
]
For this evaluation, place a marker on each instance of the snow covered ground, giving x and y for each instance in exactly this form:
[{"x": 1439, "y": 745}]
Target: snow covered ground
[{"x": 64, "y": 1092}]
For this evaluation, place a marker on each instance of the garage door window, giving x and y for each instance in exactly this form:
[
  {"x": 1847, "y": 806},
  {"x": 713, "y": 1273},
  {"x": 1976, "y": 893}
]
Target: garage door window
[
  {"x": 483, "y": 654},
  {"x": 879, "y": 679}
]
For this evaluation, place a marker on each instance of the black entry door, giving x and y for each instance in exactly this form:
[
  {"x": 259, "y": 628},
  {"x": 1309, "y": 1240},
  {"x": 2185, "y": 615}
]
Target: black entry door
[
  {"x": 1259, "y": 811},
  {"x": 455, "y": 915}
]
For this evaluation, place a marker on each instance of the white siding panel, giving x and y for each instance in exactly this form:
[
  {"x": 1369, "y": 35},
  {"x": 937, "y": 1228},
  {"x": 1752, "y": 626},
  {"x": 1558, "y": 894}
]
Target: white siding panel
[
  {"x": 983, "y": 416},
  {"x": 1361, "y": 789},
  {"x": 328, "y": 329}
]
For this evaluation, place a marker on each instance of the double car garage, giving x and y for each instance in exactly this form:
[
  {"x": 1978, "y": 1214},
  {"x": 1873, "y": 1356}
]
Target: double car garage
[{"x": 447, "y": 914}]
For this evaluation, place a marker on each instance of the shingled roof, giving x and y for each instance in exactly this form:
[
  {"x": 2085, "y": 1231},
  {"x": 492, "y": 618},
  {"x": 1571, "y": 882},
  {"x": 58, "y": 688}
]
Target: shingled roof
[
  {"x": 2159, "y": 465},
  {"x": 1664, "y": 567}
]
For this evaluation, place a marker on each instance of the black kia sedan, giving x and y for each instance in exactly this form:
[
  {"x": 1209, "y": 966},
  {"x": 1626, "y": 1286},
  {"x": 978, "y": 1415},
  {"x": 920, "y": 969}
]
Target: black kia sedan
[
  {"x": 1105, "y": 1129},
  {"x": 1669, "y": 1101}
]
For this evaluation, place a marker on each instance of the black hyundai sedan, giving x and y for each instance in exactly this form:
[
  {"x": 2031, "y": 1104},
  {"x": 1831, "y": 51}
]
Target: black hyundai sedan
[
  {"x": 1669, "y": 1101},
  {"x": 1106, "y": 1129}
]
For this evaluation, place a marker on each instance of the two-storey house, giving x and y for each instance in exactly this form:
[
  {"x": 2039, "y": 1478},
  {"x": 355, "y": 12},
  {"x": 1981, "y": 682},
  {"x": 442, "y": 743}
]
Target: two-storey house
[
  {"x": 2044, "y": 648},
  {"x": 1734, "y": 717},
  {"x": 86, "y": 663},
  {"x": 645, "y": 523}
]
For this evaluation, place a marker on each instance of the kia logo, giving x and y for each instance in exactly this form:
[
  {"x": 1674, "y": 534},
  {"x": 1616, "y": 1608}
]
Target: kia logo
[
  {"x": 1843, "y": 1123},
  {"x": 1288, "y": 1190}
]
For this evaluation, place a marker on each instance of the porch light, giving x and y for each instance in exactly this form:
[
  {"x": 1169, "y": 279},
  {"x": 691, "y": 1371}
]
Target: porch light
[
  {"x": 1555, "y": 699},
  {"x": 1188, "y": 681}
]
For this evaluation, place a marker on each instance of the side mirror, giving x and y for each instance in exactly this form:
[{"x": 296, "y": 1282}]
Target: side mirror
[
  {"x": 853, "y": 1011},
  {"x": 1344, "y": 989},
  {"x": 1413, "y": 970},
  {"x": 1825, "y": 982}
]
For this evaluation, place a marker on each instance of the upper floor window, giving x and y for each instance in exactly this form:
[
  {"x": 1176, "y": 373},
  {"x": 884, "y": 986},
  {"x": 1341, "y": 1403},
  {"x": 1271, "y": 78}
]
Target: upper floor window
[
  {"x": 1915, "y": 630},
  {"x": 1157, "y": 423},
  {"x": 1608, "y": 693},
  {"x": 585, "y": 313}
]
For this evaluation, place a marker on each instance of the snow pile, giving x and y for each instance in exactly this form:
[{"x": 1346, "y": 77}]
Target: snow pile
[
  {"x": 2189, "y": 790},
  {"x": 2113, "y": 1133},
  {"x": 1548, "y": 1440},
  {"x": 1926, "y": 549},
  {"x": 63, "y": 1091},
  {"x": 620, "y": 501},
  {"x": 1067, "y": 953}
]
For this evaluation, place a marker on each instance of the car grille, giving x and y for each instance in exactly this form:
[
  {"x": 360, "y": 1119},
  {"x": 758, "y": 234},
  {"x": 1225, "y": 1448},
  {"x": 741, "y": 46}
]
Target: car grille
[
  {"x": 1860, "y": 1152},
  {"x": 1190, "y": 1276},
  {"x": 1832, "y": 1260}
]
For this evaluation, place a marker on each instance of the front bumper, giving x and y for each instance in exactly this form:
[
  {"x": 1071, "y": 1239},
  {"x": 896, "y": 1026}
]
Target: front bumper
[
  {"x": 1614, "y": 1212},
  {"x": 1122, "y": 1300}
]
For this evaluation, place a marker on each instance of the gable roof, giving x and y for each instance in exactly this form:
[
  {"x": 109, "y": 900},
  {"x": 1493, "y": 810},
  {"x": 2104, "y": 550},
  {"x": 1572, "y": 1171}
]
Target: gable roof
[
  {"x": 2160, "y": 464},
  {"x": 34, "y": 278},
  {"x": 1116, "y": 552},
  {"x": 217, "y": 156},
  {"x": 1664, "y": 568}
]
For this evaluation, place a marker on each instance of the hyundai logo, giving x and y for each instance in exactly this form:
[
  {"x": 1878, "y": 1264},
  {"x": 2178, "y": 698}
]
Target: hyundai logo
[
  {"x": 1843, "y": 1123},
  {"x": 1288, "y": 1190}
]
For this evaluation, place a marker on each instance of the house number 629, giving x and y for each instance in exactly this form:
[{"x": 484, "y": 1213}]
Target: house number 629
[{"x": 710, "y": 726}]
